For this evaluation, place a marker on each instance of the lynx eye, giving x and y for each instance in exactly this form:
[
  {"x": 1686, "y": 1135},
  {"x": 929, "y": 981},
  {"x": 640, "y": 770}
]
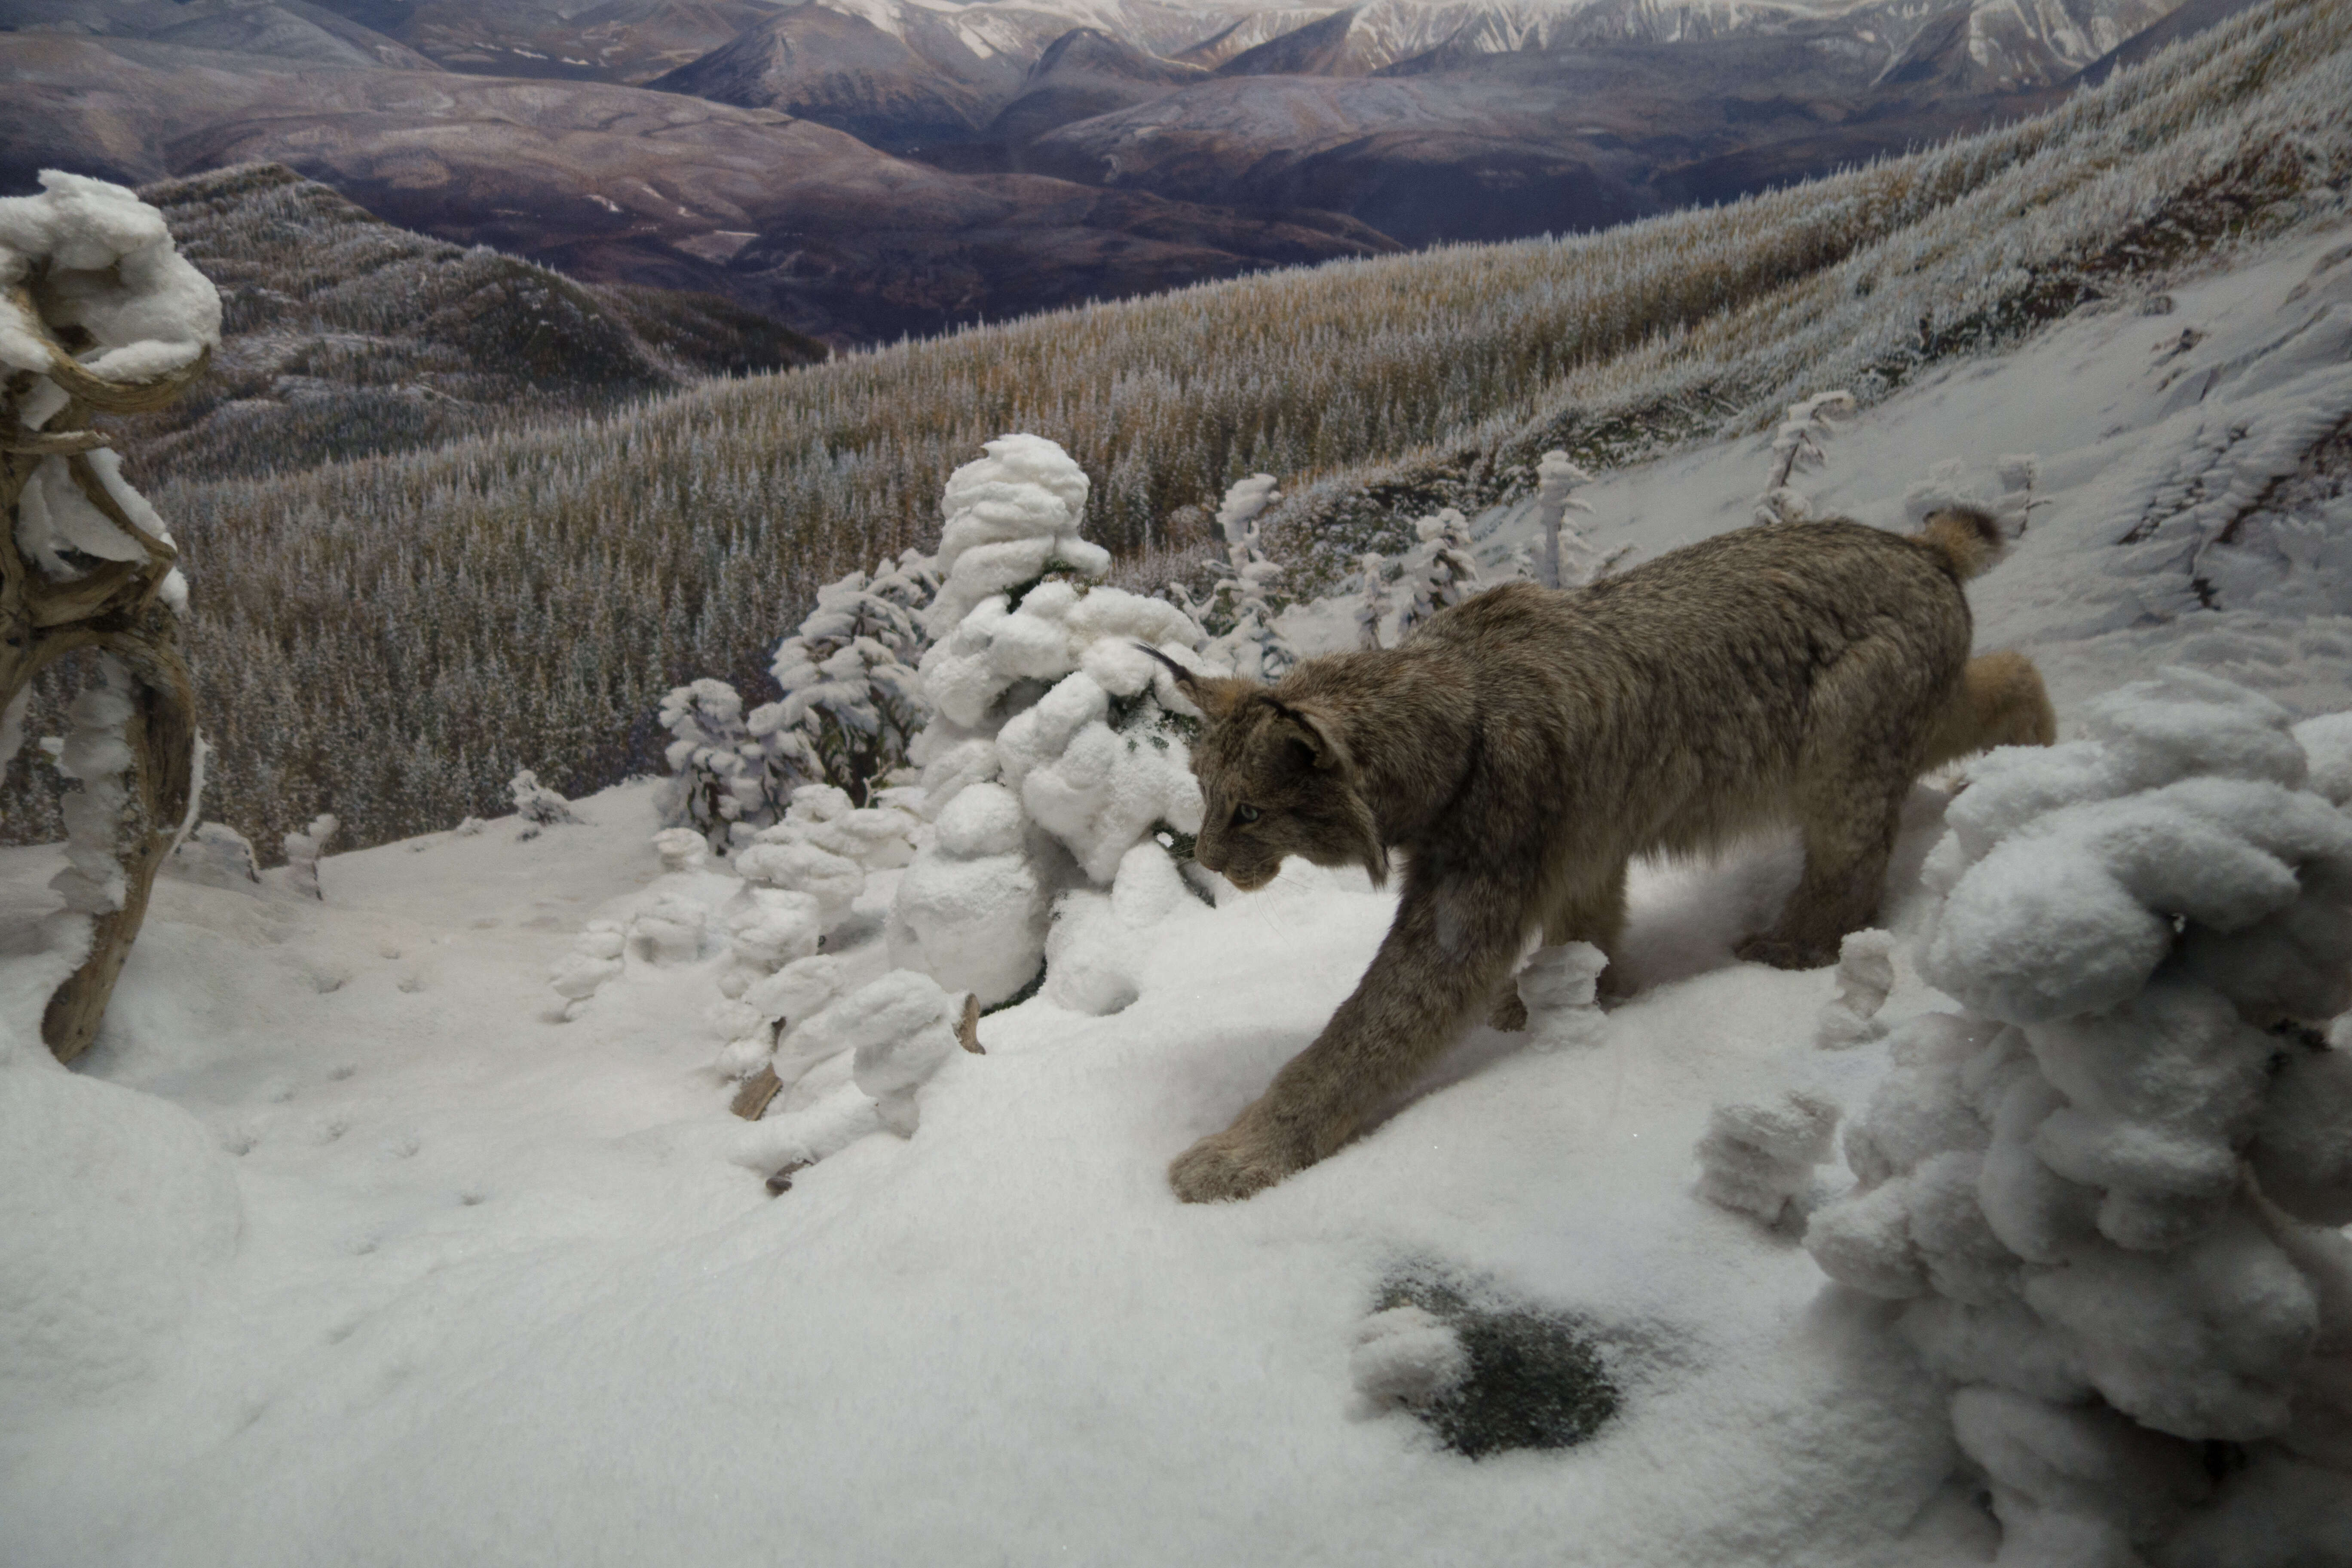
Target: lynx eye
[{"x": 1245, "y": 814}]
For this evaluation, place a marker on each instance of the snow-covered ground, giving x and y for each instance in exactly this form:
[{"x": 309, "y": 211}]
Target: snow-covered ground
[{"x": 383, "y": 1262}]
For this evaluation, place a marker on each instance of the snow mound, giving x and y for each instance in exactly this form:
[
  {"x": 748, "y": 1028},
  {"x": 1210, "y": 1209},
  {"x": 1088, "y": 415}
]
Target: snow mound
[{"x": 114, "y": 1209}]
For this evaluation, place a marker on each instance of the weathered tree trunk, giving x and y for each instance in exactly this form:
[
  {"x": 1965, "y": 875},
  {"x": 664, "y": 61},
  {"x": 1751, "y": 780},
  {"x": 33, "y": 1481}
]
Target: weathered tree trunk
[{"x": 113, "y": 608}]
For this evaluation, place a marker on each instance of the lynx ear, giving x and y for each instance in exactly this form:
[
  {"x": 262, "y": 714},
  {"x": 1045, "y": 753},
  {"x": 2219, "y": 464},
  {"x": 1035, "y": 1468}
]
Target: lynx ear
[
  {"x": 1216, "y": 696},
  {"x": 1319, "y": 732}
]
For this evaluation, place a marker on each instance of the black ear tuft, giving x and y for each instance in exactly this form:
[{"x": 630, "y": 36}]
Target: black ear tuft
[{"x": 1216, "y": 696}]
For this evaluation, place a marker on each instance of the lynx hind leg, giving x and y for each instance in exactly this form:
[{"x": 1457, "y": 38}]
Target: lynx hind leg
[
  {"x": 2000, "y": 703},
  {"x": 1855, "y": 766},
  {"x": 1591, "y": 911}
]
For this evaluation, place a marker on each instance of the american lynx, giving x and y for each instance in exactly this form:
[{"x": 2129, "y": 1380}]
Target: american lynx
[{"x": 1521, "y": 747}]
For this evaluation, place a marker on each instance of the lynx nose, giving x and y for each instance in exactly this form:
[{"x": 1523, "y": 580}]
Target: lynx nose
[{"x": 1208, "y": 852}]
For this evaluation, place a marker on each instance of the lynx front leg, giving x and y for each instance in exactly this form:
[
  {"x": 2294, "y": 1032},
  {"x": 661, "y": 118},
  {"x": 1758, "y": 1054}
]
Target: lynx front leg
[{"x": 1442, "y": 960}]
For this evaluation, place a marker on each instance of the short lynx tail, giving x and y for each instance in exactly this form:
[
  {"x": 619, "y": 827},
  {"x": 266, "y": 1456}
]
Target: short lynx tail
[
  {"x": 2000, "y": 703},
  {"x": 1968, "y": 539}
]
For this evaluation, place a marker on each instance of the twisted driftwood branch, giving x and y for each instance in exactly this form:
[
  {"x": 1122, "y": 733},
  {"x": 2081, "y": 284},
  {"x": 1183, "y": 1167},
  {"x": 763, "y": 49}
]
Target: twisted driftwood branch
[{"x": 113, "y": 609}]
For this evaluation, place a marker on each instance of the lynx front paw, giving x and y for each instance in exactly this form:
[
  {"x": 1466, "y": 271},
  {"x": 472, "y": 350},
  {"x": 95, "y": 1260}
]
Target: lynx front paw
[
  {"x": 1781, "y": 952},
  {"x": 1231, "y": 1164}
]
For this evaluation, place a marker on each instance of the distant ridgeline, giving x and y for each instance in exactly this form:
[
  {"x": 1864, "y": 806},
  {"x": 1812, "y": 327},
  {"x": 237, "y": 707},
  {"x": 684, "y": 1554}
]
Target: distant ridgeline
[{"x": 390, "y": 639}]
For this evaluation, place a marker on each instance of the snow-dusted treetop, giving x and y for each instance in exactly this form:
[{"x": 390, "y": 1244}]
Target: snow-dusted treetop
[
  {"x": 1010, "y": 516},
  {"x": 107, "y": 265},
  {"x": 1242, "y": 503}
]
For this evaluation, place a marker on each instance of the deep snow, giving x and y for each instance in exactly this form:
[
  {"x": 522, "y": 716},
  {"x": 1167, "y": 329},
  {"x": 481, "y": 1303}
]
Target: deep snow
[{"x": 384, "y": 1263}]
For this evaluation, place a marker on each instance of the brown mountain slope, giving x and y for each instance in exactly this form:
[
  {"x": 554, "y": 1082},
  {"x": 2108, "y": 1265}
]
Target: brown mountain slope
[{"x": 620, "y": 184}]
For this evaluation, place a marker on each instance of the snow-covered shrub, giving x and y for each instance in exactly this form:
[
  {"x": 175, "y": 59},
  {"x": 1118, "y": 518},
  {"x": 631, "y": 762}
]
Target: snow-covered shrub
[
  {"x": 669, "y": 930},
  {"x": 1371, "y": 600},
  {"x": 536, "y": 803},
  {"x": 216, "y": 856},
  {"x": 302, "y": 852},
  {"x": 766, "y": 928},
  {"x": 824, "y": 847},
  {"x": 595, "y": 957},
  {"x": 1057, "y": 744},
  {"x": 1438, "y": 574},
  {"x": 1758, "y": 1156},
  {"x": 899, "y": 1032},
  {"x": 852, "y": 702},
  {"x": 1099, "y": 943},
  {"x": 716, "y": 766},
  {"x": 1568, "y": 559},
  {"x": 877, "y": 837},
  {"x": 2019, "y": 472},
  {"x": 1796, "y": 446},
  {"x": 1560, "y": 988},
  {"x": 681, "y": 849},
  {"x": 2101, "y": 1188},
  {"x": 1865, "y": 973}
]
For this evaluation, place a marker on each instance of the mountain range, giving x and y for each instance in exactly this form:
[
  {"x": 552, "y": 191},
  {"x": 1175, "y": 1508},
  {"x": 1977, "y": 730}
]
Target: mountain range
[{"x": 863, "y": 169}]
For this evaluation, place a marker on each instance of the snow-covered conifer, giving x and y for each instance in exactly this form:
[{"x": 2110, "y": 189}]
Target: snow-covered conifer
[
  {"x": 853, "y": 700},
  {"x": 1556, "y": 480},
  {"x": 1242, "y": 606},
  {"x": 2104, "y": 1190},
  {"x": 1440, "y": 574},
  {"x": 1797, "y": 448},
  {"x": 302, "y": 852},
  {"x": 1056, "y": 745},
  {"x": 716, "y": 773},
  {"x": 1945, "y": 486}
]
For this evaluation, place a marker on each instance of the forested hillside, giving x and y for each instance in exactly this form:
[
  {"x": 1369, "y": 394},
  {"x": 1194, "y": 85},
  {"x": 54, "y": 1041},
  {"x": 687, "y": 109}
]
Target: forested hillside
[{"x": 348, "y": 336}]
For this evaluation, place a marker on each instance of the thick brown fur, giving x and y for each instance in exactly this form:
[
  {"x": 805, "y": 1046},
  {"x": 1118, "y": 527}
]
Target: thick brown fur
[{"x": 1522, "y": 747}]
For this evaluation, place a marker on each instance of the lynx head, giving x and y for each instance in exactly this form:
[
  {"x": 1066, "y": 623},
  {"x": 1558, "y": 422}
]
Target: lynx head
[{"x": 1277, "y": 779}]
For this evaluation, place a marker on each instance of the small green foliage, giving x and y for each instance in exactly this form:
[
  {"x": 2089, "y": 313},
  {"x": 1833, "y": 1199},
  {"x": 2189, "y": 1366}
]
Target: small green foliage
[
  {"x": 1536, "y": 1380},
  {"x": 1036, "y": 983}
]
